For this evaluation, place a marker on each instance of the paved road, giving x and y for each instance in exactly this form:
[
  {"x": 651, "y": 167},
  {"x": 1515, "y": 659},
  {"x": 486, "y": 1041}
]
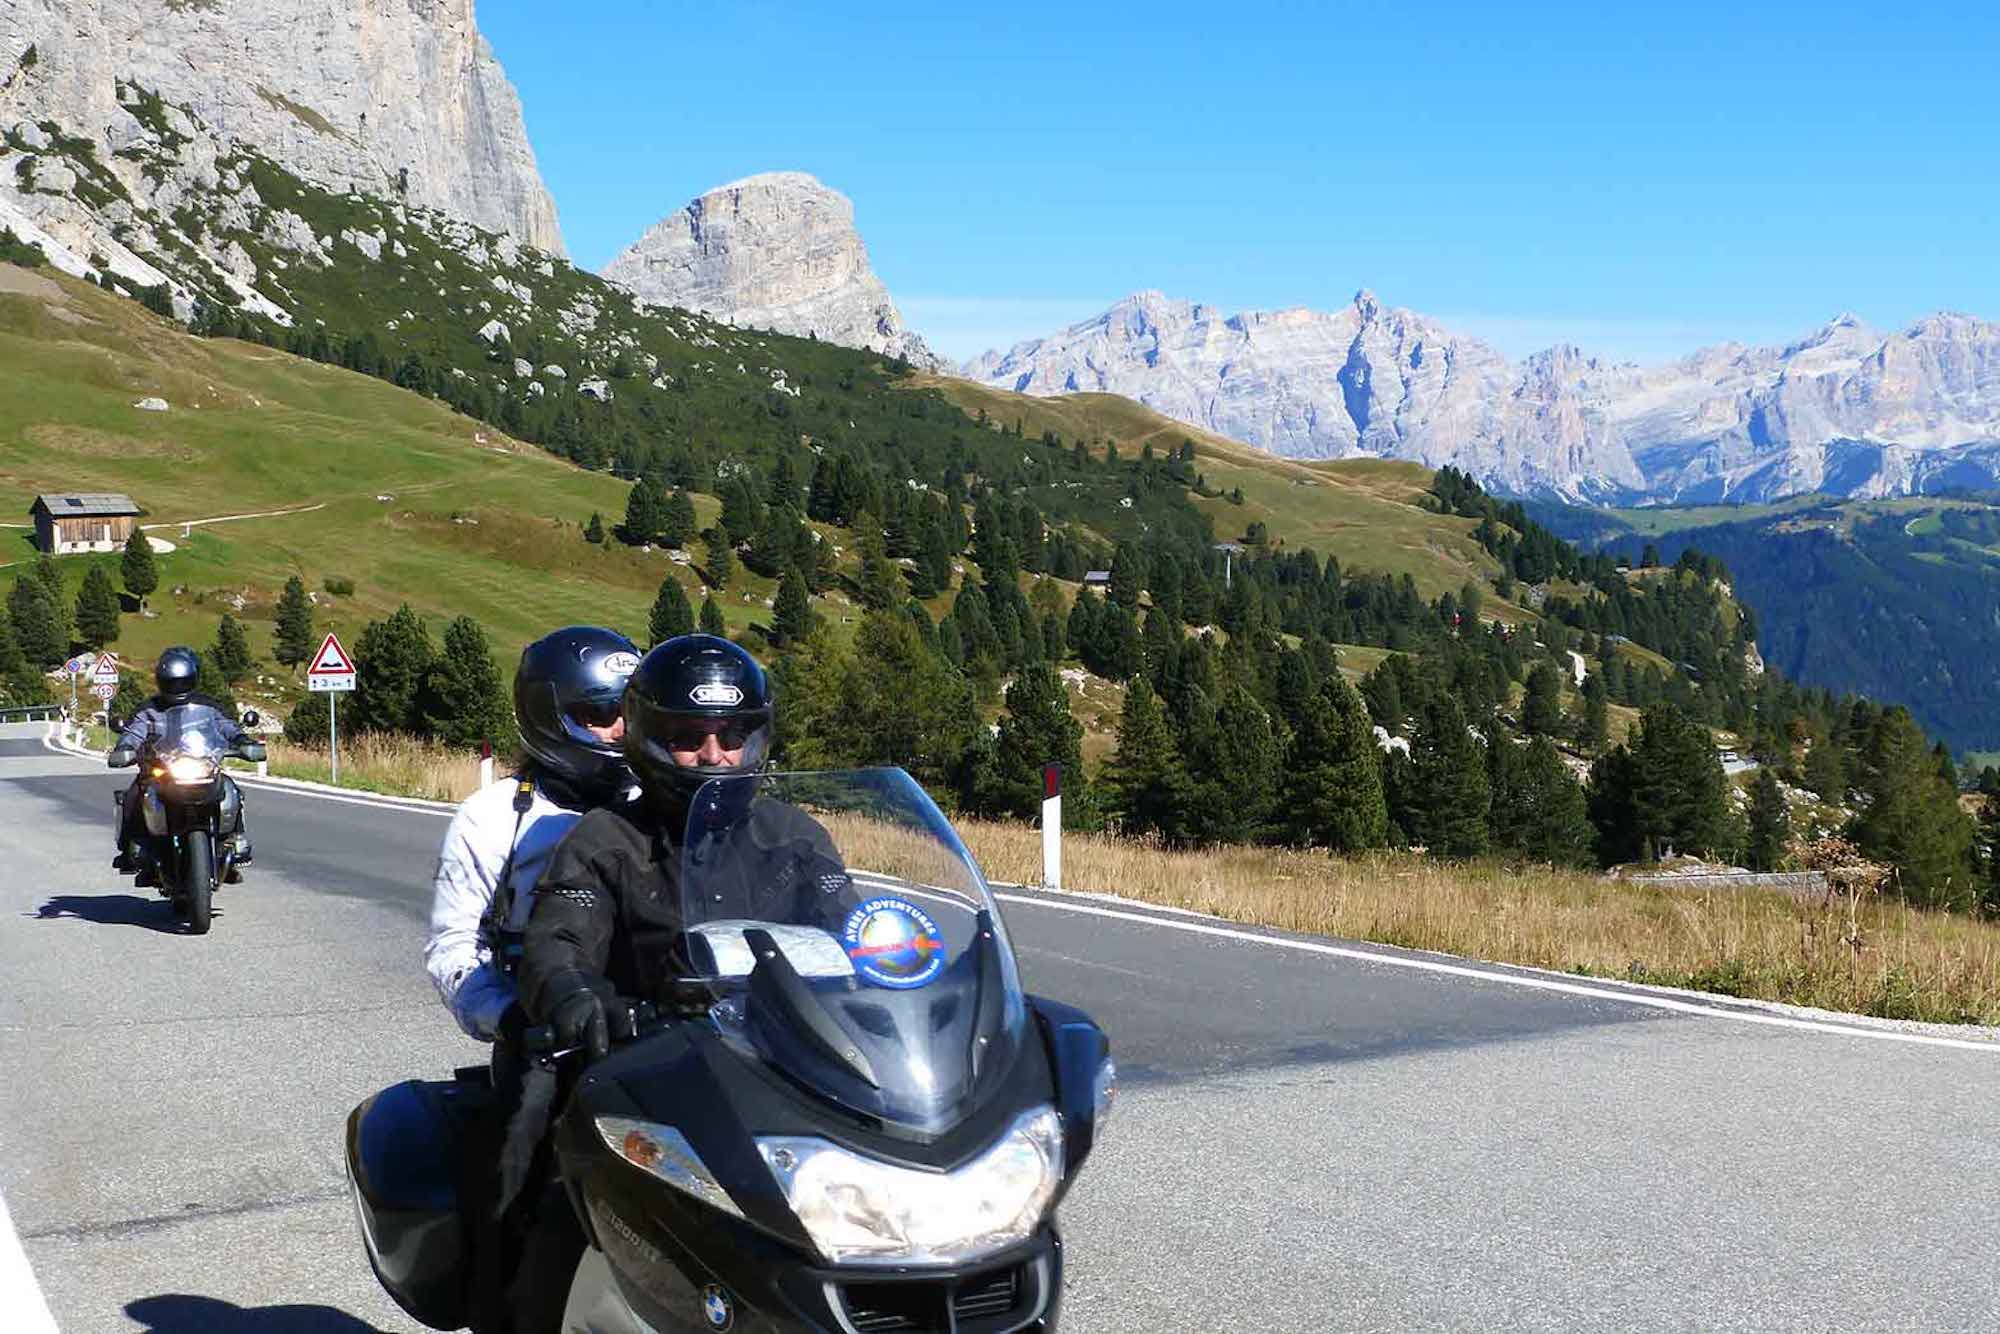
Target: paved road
[{"x": 1305, "y": 1142}]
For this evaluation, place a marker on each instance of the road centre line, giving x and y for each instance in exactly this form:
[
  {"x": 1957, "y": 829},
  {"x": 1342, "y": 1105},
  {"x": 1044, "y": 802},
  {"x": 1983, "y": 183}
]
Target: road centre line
[{"x": 1152, "y": 916}]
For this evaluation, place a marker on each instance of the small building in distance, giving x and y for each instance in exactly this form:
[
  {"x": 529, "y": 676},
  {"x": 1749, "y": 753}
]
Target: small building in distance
[
  {"x": 1097, "y": 578},
  {"x": 91, "y": 521}
]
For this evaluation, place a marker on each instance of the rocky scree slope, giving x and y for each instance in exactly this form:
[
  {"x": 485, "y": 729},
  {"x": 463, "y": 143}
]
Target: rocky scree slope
[
  {"x": 326, "y": 90},
  {"x": 1847, "y": 410},
  {"x": 774, "y": 251}
]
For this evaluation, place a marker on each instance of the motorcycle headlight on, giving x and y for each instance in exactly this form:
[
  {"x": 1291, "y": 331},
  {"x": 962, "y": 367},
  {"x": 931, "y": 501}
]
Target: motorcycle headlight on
[
  {"x": 190, "y": 769},
  {"x": 859, "y": 1209}
]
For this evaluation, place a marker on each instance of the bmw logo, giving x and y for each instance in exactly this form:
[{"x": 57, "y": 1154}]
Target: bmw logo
[{"x": 716, "y": 1308}]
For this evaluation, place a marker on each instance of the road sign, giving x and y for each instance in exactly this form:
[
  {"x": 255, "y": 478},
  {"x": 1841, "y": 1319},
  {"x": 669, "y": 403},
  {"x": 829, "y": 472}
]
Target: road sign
[
  {"x": 105, "y": 672},
  {"x": 77, "y": 666},
  {"x": 331, "y": 668},
  {"x": 103, "y": 691}
]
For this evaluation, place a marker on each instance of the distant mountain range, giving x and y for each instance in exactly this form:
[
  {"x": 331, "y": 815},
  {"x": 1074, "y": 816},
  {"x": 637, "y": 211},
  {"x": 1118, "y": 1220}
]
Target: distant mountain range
[{"x": 1847, "y": 410}]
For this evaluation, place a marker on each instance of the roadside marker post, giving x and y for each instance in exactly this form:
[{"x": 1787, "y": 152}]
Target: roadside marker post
[
  {"x": 331, "y": 674},
  {"x": 1052, "y": 826},
  {"x": 486, "y": 762}
]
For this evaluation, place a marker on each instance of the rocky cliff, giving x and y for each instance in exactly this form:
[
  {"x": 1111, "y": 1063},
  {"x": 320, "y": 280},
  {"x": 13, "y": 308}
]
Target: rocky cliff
[
  {"x": 1847, "y": 409},
  {"x": 773, "y": 251},
  {"x": 397, "y": 98}
]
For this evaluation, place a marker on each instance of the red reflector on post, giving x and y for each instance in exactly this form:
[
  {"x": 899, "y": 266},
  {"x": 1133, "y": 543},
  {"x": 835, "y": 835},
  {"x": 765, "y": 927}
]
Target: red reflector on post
[{"x": 1051, "y": 780}]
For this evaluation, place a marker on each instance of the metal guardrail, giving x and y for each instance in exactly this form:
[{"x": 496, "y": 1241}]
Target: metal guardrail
[
  {"x": 31, "y": 713},
  {"x": 1795, "y": 882}
]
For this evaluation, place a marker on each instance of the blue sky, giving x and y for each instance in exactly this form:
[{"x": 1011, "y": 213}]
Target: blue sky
[{"x": 1634, "y": 182}]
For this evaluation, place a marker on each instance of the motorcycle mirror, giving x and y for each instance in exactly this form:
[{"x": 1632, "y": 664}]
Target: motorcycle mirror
[
  {"x": 115, "y": 723},
  {"x": 251, "y": 717}
]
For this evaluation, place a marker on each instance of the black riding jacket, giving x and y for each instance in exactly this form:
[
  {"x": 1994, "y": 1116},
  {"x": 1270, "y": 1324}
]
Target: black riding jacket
[{"x": 609, "y": 903}]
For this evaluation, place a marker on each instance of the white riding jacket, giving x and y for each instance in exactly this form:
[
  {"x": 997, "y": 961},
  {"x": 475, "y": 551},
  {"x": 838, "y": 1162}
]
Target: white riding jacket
[{"x": 461, "y": 965}]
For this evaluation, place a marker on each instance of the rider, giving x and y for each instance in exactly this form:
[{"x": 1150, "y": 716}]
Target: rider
[
  {"x": 174, "y": 674},
  {"x": 607, "y": 917},
  {"x": 567, "y": 691}
]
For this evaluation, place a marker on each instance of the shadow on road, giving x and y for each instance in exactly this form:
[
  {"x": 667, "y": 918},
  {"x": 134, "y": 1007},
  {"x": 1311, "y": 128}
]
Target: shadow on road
[
  {"x": 113, "y": 910},
  {"x": 180, "y": 1313}
]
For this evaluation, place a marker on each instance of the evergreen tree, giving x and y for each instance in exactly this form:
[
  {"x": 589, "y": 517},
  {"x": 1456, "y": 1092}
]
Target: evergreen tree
[
  {"x": 1333, "y": 794},
  {"x": 1037, "y": 729},
  {"x": 1770, "y": 823},
  {"x": 231, "y": 650},
  {"x": 881, "y": 580},
  {"x": 1234, "y": 755},
  {"x": 1826, "y": 770},
  {"x": 594, "y": 531},
  {"x": 671, "y": 615},
  {"x": 644, "y": 515},
  {"x": 1128, "y": 576},
  {"x": 292, "y": 638},
  {"x": 464, "y": 701},
  {"x": 711, "y": 618},
  {"x": 209, "y": 681},
  {"x": 791, "y": 613},
  {"x": 1663, "y": 790},
  {"x": 1912, "y": 818},
  {"x": 20, "y": 683},
  {"x": 392, "y": 661},
  {"x": 721, "y": 560},
  {"x": 97, "y": 609},
  {"x": 1594, "y": 728},
  {"x": 137, "y": 568},
  {"x": 1537, "y": 808},
  {"x": 1448, "y": 794},
  {"x": 50, "y": 578},
  {"x": 1541, "y": 709},
  {"x": 742, "y": 513},
  {"x": 887, "y": 699},
  {"x": 677, "y": 520},
  {"x": 1147, "y": 785}
]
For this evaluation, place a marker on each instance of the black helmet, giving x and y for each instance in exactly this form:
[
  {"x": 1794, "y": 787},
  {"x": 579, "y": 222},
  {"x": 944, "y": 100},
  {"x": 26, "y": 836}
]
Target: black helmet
[
  {"x": 570, "y": 677},
  {"x": 688, "y": 681},
  {"x": 175, "y": 673}
]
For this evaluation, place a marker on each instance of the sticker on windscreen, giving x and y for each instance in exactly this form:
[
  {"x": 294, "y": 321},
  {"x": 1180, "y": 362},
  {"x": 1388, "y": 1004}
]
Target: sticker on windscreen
[{"x": 893, "y": 943}]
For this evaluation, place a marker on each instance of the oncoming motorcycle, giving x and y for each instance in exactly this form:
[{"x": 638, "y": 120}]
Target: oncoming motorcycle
[
  {"x": 189, "y": 808},
  {"x": 848, "y": 1119}
]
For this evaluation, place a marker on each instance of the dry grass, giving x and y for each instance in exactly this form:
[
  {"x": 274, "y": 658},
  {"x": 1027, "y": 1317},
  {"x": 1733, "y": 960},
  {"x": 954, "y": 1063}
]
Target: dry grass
[
  {"x": 399, "y": 766},
  {"x": 1889, "y": 960}
]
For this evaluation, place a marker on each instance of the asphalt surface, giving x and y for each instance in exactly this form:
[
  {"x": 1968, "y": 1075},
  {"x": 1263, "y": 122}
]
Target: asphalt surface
[{"x": 1303, "y": 1142}]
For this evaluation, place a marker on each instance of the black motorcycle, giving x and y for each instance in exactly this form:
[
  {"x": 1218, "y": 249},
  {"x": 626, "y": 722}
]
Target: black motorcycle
[
  {"x": 189, "y": 808},
  {"x": 849, "y": 1119}
]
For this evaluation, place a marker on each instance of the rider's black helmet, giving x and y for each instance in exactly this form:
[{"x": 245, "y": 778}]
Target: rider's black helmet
[
  {"x": 175, "y": 673},
  {"x": 567, "y": 678},
  {"x": 680, "y": 689}
]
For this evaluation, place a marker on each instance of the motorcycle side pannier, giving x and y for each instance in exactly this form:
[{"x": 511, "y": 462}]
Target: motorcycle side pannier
[{"x": 404, "y": 1149}]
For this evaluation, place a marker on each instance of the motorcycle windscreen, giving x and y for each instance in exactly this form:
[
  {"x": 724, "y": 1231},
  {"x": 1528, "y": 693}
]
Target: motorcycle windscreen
[
  {"x": 193, "y": 729},
  {"x": 851, "y": 943}
]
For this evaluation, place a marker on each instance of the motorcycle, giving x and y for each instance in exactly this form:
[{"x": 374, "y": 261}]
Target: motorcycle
[
  {"x": 190, "y": 808},
  {"x": 847, "y": 1117}
]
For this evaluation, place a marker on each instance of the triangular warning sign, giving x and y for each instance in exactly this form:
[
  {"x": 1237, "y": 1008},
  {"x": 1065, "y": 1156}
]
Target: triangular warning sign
[{"x": 331, "y": 660}]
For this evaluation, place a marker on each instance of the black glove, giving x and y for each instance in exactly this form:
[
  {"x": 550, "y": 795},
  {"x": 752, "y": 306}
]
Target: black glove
[
  {"x": 119, "y": 757},
  {"x": 579, "y": 1019}
]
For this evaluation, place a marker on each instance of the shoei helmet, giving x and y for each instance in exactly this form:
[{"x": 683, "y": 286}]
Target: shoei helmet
[
  {"x": 566, "y": 681},
  {"x": 175, "y": 673},
  {"x": 688, "y": 689}
]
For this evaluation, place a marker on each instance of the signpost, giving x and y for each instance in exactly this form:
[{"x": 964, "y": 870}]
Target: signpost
[
  {"x": 1052, "y": 826},
  {"x": 103, "y": 679},
  {"x": 332, "y": 672}
]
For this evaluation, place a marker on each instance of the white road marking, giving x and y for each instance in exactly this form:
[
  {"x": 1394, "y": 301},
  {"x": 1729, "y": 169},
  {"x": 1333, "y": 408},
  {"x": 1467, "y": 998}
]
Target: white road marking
[
  {"x": 1509, "y": 979},
  {"x": 1155, "y": 916},
  {"x": 23, "y": 1309}
]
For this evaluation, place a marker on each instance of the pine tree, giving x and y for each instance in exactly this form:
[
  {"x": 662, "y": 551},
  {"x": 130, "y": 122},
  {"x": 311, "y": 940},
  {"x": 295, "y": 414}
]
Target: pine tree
[
  {"x": 231, "y": 651},
  {"x": 1448, "y": 795},
  {"x": 19, "y": 683},
  {"x": 137, "y": 568},
  {"x": 677, "y": 519},
  {"x": 594, "y": 531},
  {"x": 1233, "y": 756},
  {"x": 791, "y": 612},
  {"x": 1333, "y": 795},
  {"x": 721, "y": 559},
  {"x": 209, "y": 681},
  {"x": 881, "y": 580},
  {"x": 392, "y": 661},
  {"x": 644, "y": 517},
  {"x": 742, "y": 513},
  {"x": 1594, "y": 728},
  {"x": 672, "y": 613},
  {"x": 1770, "y": 823},
  {"x": 97, "y": 609},
  {"x": 711, "y": 618},
  {"x": 1146, "y": 782},
  {"x": 1037, "y": 729},
  {"x": 464, "y": 702},
  {"x": 1537, "y": 808},
  {"x": 1541, "y": 709},
  {"x": 292, "y": 638},
  {"x": 50, "y": 578},
  {"x": 1912, "y": 818}
]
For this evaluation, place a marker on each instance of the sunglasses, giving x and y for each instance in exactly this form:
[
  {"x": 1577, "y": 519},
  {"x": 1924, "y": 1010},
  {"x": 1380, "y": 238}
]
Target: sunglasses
[
  {"x": 690, "y": 736},
  {"x": 596, "y": 712}
]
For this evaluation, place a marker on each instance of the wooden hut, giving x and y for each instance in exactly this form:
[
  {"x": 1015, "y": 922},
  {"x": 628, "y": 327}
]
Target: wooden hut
[{"x": 82, "y": 522}]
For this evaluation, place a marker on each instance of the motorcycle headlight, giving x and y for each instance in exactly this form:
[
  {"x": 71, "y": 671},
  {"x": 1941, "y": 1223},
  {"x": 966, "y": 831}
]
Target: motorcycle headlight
[
  {"x": 190, "y": 769},
  {"x": 860, "y": 1209},
  {"x": 665, "y": 1152}
]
